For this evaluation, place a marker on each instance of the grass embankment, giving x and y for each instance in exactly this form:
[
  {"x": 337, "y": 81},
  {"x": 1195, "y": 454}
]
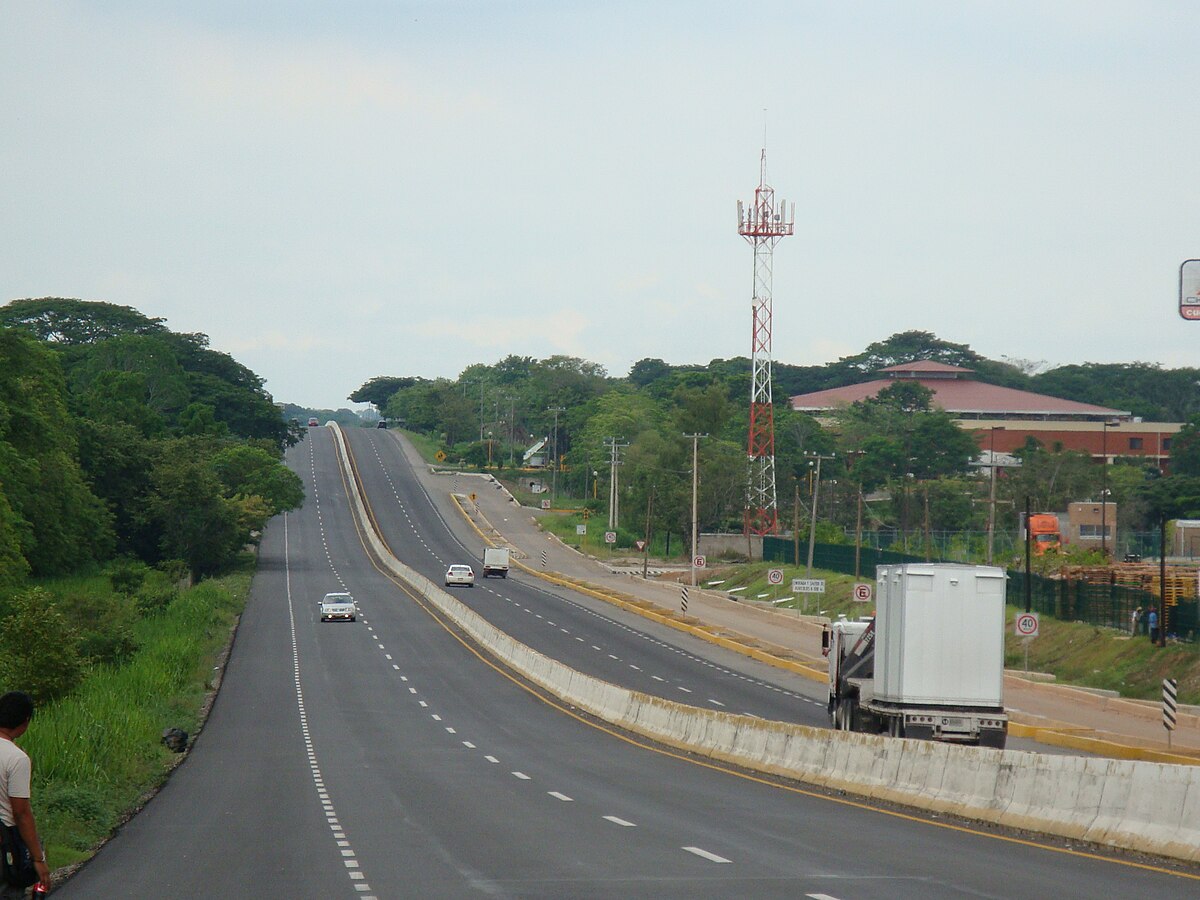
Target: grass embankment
[
  {"x": 98, "y": 752},
  {"x": 425, "y": 445}
]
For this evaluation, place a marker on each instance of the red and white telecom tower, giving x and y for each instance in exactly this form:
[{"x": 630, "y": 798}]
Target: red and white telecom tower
[{"x": 762, "y": 226}]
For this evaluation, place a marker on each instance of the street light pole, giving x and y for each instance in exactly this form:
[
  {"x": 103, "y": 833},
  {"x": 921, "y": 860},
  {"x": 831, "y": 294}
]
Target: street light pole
[
  {"x": 695, "y": 469},
  {"x": 812, "y": 528},
  {"x": 1107, "y": 424}
]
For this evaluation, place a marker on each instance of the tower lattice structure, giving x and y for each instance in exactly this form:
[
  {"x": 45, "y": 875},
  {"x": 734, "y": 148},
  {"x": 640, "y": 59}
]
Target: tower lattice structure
[{"x": 762, "y": 225}]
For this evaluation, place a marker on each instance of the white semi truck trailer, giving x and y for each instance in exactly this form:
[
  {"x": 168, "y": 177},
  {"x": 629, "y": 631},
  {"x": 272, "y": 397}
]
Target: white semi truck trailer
[{"x": 930, "y": 663}]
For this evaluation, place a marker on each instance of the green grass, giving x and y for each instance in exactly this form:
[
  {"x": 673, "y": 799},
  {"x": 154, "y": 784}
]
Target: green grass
[
  {"x": 98, "y": 751},
  {"x": 426, "y": 446}
]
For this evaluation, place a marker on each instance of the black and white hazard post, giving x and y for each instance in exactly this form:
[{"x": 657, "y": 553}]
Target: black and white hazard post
[
  {"x": 1170, "y": 692},
  {"x": 544, "y": 559},
  {"x": 684, "y": 599}
]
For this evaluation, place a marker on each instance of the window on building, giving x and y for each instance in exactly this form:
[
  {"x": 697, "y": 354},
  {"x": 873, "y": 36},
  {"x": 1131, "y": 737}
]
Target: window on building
[
  {"x": 1135, "y": 443},
  {"x": 1092, "y": 532},
  {"x": 1166, "y": 443}
]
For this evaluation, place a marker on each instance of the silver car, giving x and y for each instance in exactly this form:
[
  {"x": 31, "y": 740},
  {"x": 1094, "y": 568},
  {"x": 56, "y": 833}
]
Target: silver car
[
  {"x": 338, "y": 606},
  {"x": 457, "y": 574}
]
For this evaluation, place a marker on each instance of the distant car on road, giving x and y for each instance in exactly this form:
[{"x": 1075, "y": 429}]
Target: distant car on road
[
  {"x": 460, "y": 575},
  {"x": 338, "y": 605},
  {"x": 312, "y": 422},
  {"x": 382, "y": 423}
]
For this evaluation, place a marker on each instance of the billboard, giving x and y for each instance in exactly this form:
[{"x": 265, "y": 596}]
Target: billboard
[{"x": 1189, "y": 290}]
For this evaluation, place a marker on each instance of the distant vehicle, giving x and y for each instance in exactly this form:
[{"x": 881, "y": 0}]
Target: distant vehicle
[
  {"x": 382, "y": 423},
  {"x": 312, "y": 422},
  {"x": 338, "y": 605},
  {"x": 1043, "y": 530},
  {"x": 495, "y": 561},
  {"x": 460, "y": 575},
  {"x": 930, "y": 665}
]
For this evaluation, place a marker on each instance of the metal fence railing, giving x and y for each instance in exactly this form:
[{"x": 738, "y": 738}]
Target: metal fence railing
[{"x": 1069, "y": 600}]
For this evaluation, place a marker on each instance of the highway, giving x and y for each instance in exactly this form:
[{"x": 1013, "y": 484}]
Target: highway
[{"x": 386, "y": 758}]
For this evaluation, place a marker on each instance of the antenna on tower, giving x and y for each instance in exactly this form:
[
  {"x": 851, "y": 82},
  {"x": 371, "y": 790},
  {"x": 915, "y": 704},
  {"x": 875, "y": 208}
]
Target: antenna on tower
[{"x": 762, "y": 228}]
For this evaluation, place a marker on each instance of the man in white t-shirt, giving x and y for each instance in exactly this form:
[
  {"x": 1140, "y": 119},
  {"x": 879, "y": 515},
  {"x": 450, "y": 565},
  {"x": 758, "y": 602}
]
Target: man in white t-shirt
[{"x": 16, "y": 709}]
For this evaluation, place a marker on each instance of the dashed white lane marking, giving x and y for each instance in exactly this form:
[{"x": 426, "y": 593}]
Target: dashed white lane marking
[
  {"x": 468, "y": 745},
  {"x": 620, "y": 822},
  {"x": 349, "y": 859},
  {"x": 715, "y": 702},
  {"x": 562, "y": 797},
  {"x": 820, "y": 897},
  {"x": 491, "y": 759},
  {"x": 656, "y": 678},
  {"x": 685, "y": 690},
  {"x": 711, "y": 857},
  {"x": 423, "y": 704},
  {"x": 436, "y": 717},
  {"x": 521, "y": 775}
]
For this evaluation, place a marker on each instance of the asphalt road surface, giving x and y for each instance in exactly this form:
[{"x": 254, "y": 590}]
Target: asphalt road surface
[{"x": 387, "y": 758}]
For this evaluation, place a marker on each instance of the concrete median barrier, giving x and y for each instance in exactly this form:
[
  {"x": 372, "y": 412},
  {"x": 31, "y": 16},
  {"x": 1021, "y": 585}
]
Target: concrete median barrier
[{"x": 1150, "y": 807}]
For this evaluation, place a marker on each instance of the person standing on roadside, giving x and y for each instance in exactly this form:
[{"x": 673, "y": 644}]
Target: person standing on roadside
[
  {"x": 16, "y": 709},
  {"x": 1152, "y": 623}
]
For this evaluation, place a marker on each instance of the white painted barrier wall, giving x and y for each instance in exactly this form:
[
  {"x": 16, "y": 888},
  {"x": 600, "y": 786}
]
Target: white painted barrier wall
[{"x": 1144, "y": 806}]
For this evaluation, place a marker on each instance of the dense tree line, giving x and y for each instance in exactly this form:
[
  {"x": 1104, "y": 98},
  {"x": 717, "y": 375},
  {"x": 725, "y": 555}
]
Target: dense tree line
[
  {"x": 899, "y": 451},
  {"x": 120, "y": 438}
]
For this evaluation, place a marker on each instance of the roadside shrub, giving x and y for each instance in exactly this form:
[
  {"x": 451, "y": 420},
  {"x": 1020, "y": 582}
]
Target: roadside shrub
[
  {"x": 38, "y": 650},
  {"x": 127, "y": 576}
]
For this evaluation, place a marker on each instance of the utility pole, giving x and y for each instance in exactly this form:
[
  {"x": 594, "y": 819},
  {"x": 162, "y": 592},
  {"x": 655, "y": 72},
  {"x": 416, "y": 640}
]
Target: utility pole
[
  {"x": 614, "y": 459},
  {"x": 512, "y": 425},
  {"x": 812, "y": 528},
  {"x": 554, "y": 474},
  {"x": 991, "y": 534},
  {"x": 695, "y": 478}
]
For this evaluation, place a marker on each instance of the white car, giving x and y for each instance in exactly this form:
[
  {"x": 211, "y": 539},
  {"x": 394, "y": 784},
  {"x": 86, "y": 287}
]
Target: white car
[
  {"x": 338, "y": 606},
  {"x": 460, "y": 575}
]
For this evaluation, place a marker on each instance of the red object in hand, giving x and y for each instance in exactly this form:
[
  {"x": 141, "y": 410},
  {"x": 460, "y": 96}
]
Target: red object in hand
[{"x": 39, "y": 890}]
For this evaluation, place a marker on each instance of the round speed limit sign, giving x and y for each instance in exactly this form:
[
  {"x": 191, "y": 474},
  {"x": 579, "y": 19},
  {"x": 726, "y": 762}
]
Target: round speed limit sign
[
  {"x": 1027, "y": 625},
  {"x": 775, "y": 576}
]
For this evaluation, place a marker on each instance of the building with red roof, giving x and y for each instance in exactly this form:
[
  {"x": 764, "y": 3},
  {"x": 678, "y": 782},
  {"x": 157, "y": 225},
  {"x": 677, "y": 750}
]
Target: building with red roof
[{"x": 1002, "y": 417}]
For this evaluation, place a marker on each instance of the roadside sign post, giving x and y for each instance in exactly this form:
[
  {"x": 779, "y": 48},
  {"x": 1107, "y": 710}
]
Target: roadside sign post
[
  {"x": 1170, "y": 693},
  {"x": 774, "y": 579},
  {"x": 1026, "y": 627},
  {"x": 862, "y": 592},
  {"x": 808, "y": 586},
  {"x": 1189, "y": 290}
]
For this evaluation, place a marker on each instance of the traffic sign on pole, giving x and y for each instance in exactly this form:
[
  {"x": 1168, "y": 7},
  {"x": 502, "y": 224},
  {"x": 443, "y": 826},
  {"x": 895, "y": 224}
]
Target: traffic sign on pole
[
  {"x": 863, "y": 591},
  {"x": 699, "y": 562},
  {"x": 545, "y": 504},
  {"x": 581, "y": 529},
  {"x": 1189, "y": 290},
  {"x": 610, "y": 537},
  {"x": 775, "y": 576},
  {"x": 641, "y": 545},
  {"x": 1026, "y": 625},
  {"x": 808, "y": 585}
]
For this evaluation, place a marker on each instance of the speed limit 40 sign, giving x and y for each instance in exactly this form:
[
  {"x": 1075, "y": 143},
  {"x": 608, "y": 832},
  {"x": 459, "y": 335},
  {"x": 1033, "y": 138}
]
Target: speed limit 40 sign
[
  {"x": 1027, "y": 625},
  {"x": 775, "y": 576}
]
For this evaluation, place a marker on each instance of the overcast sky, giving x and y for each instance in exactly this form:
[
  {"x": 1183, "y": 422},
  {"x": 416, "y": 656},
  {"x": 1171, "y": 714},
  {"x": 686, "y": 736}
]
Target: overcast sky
[{"x": 336, "y": 191}]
